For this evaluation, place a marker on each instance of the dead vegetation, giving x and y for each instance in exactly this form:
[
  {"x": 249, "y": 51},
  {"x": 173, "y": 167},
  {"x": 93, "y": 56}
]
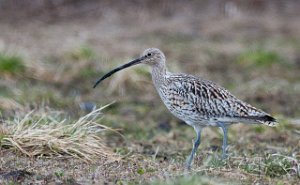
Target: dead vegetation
[{"x": 49, "y": 134}]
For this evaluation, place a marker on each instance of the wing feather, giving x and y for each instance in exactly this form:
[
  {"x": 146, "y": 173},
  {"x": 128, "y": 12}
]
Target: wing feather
[{"x": 210, "y": 100}]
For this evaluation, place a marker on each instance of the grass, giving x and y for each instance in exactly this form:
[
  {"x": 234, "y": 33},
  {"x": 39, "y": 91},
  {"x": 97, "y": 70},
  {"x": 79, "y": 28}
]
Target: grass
[
  {"x": 11, "y": 64},
  {"x": 258, "y": 58},
  {"x": 83, "y": 53},
  {"x": 150, "y": 154},
  {"x": 59, "y": 144},
  {"x": 272, "y": 166},
  {"x": 192, "y": 180},
  {"x": 215, "y": 162},
  {"x": 48, "y": 134}
]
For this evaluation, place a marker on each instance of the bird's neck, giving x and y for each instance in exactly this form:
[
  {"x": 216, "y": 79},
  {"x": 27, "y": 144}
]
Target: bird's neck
[{"x": 158, "y": 74}]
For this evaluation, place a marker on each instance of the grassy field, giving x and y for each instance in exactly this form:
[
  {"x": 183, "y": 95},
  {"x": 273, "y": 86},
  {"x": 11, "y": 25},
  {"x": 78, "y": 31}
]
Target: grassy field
[{"x": 56, "y": 129}]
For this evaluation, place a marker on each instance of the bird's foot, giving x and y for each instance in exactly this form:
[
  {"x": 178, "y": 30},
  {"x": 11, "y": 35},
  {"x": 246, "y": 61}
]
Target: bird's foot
[
  {"x": 187, "y": 167},
  {"x": 224, "y": 156},
  {"x": 188, "y": 163},
  {"x": 224, "y": 153}
]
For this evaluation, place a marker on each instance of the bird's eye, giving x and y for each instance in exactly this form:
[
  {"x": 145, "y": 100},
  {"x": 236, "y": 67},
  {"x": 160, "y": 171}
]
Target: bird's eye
[{"x": 149, "y": 54}]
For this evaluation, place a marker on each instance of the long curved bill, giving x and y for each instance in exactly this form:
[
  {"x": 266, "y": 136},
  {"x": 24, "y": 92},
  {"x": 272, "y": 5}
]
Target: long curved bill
[{"x": 134, "y": 62}]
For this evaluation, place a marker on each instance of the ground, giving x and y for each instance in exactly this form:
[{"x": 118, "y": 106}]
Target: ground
[{"x": 50, "y": 58}]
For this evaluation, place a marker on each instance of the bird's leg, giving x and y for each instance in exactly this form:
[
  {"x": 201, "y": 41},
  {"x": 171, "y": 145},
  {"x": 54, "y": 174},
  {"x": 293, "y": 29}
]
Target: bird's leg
[
  {"x": 195, "y": 147},
  {"x": 224, "y": 146}
]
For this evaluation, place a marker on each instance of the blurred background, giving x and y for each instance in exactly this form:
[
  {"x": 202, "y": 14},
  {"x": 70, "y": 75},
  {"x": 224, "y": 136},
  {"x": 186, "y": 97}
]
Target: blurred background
[{"x": 51, "y": 53}]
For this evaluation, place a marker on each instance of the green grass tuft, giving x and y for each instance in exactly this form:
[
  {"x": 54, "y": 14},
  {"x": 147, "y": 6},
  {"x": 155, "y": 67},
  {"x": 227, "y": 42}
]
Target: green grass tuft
[
  {"x": 59, "y": 174},
  {"x": 83, "y": 53},
  {"x": 271, "y": 166},
  {"x": 258, "y": 57},
  {"x": 259, "y": 129},
  {"x": 276, "y": 166},
  {"x": 191, "y": 180},
  {"x": 11, "y": 64},
  {"x": 141, "y": 171},
  {"x": 215, "y": 162}
]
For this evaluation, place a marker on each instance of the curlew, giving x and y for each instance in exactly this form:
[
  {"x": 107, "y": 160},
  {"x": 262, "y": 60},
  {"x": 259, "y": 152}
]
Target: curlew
[{"x": 196, "y": 101}]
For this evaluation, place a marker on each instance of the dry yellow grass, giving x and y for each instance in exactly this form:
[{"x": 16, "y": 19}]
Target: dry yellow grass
[{"x": 47, "y": 133}]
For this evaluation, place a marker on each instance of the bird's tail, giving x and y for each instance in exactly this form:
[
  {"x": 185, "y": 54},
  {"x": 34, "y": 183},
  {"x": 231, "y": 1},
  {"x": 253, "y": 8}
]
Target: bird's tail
[
  {"x": 262, "y": 119},
  {"x": 267, "y": 120}
]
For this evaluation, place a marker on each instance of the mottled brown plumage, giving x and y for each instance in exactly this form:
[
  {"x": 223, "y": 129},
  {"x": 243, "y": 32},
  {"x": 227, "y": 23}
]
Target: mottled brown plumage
[
  {"x": 202, "y": 102},
  {"x": 197, "y": 101}
]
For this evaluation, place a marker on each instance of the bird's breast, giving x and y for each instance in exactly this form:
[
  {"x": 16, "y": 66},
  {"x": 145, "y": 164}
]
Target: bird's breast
[{"x": 181, "y": 107}]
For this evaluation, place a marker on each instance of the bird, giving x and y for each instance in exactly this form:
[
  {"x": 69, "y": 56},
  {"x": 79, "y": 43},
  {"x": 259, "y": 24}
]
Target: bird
[{"x": 196, "y": 101}]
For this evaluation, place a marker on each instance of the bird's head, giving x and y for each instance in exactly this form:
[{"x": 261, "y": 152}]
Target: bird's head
[{"x": 151, "y": 56}]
